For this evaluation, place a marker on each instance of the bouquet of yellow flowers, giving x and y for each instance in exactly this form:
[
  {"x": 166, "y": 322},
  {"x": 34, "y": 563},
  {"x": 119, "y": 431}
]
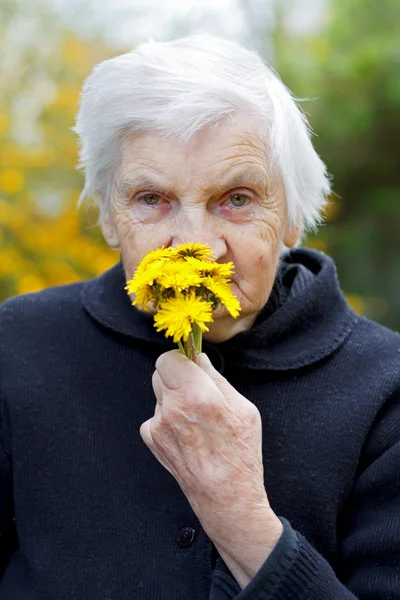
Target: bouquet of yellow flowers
[{"x": 185, "y": 285}]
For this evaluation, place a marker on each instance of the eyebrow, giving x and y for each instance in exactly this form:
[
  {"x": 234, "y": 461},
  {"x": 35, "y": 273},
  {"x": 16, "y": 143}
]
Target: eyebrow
[{"x": 240, "y": 178}]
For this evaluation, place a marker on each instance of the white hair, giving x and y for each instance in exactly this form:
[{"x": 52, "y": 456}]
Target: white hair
[{"x": 178, "y": 87}]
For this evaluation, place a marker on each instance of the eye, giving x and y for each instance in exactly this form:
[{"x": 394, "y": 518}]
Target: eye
[
  {"x": 238, "y": 200},
  {"x": 150, "y": 199}
]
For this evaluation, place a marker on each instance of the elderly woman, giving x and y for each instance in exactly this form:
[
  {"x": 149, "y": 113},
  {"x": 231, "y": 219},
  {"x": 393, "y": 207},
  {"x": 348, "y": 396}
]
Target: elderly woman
[{"x": 268, "y": 471}]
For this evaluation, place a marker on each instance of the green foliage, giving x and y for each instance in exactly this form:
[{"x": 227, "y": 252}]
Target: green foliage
[{"x": 350, "y": 70}]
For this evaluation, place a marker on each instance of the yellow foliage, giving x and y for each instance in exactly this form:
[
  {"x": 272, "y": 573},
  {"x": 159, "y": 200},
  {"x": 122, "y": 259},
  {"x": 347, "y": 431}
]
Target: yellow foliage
[
  {"x": 356, "y": 303},
  {"x": 59, "y": 272},
  {"x": 40, "y": 158},
  {"x": 317, "y": 244},
  {"x": 73, "y": 50},
  {"x": 105, "y": 260},
  {"x": 6, "y": 212},
  {"x": 67, "y": 98},
  {"x": 4, "y": 121},
  {"x": 50, "y": 131},
  {"x": 11, "y": 263},
  {"x": 332, "y": 209},
  {"x": 36, "y": 249},
  {"x": 30, "y": 283},
  {"x": 11, "y": 156},
  {"x": 11, "y": 181}
]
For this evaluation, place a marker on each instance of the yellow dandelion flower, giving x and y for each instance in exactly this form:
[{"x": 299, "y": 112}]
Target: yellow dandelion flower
[
  {"x": 212, "y": 269},
  {"x": 143, "y": 296},
  {"x": 145, "y": 277},
  {"x": 178, "y": 276},
  {"x": 155, "y": 256},
  {"x": 142, "y": 282},
  {"x": 177, "y": 316},
  {"x": 224, "y": 294},
  {"x": 194, "y": 250}
]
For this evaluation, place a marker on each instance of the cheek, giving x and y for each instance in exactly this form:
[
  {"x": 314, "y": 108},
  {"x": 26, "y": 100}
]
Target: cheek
[
  {"x": 255, "y": 256},
  {"x": 256, "y": 265},
  {"x": 136, "y": 240},
  {"x": 255, "y": 250}
]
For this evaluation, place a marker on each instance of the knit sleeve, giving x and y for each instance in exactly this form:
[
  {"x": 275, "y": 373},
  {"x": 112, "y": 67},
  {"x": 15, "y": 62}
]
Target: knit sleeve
[
  {"x": 369, "y": 537},
  {"x": 7, "y": 522}
]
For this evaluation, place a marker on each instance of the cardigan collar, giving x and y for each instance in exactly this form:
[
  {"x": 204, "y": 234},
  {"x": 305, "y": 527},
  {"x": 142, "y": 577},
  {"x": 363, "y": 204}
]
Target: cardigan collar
[{"x": 305, "y": 319}]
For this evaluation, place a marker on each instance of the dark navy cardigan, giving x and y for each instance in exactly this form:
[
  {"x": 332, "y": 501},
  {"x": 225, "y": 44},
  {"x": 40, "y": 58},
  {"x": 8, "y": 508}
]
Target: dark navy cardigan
[{"x": 88, "y": 513}]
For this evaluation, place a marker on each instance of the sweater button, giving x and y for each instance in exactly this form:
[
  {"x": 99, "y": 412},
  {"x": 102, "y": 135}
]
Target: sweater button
[{"x": 186, "y": 536}]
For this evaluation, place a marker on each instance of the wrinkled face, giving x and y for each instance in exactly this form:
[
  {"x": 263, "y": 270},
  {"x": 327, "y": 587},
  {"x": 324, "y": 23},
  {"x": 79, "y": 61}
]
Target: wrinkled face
[{"x": 216, "y": 190}]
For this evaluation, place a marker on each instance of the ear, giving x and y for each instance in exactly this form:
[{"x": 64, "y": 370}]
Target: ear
[
  {"x": 108, "y": 227},
  {"x": 110, "y": 233},
  {"x": 292, "y": 233}
]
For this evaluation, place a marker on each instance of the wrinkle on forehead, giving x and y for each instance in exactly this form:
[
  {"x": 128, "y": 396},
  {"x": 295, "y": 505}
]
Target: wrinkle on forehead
[{"x": 212, "y": 154}]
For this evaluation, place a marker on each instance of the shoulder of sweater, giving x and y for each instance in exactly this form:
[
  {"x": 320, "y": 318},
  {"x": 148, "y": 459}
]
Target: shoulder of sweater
[
  {"x": 376, "y": 349},
  {"x": 375, "y": 336},
  {"x": 42, "y": 306},
  {"x": 382, "y": 348},
  {"x": 372, "y": 356}
]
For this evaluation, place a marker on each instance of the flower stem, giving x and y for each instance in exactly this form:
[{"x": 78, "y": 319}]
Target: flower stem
[
  {"x": 196, "y": 331},
  {"x": 188, "y": 352},
  {"x": 181, "y": 348},
  {"x": 192, "y": 348},
  {"x": 197, "y": 336}
]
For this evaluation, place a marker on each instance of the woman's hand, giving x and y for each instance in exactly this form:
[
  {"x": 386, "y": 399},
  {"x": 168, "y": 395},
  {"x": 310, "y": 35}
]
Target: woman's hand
[{"x": 209, "y": 437}]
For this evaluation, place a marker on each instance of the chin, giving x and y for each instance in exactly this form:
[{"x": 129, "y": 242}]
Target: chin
[
  {"x": 216, "y": 336},
  {"x": 225, "y": 328}
]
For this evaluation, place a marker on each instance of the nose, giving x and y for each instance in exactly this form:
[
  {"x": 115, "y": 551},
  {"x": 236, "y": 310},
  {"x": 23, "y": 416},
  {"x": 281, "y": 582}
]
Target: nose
[{"x": 200, "y": 230}]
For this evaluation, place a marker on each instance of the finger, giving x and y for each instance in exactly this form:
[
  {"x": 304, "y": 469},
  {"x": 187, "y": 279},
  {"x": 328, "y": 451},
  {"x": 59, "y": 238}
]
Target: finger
[
  {"x": 145, "y": 432},
  {"x": 158, "y": 386},
  {"x": 176, "y": 370}
]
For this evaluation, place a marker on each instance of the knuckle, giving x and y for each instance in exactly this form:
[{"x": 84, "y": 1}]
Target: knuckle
[
  {"x": 250, "y": 416},
  {"x": 254, "y": 413}
]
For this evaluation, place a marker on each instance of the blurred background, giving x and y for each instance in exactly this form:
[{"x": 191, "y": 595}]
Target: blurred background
[{"x": 341, "y": 57}]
